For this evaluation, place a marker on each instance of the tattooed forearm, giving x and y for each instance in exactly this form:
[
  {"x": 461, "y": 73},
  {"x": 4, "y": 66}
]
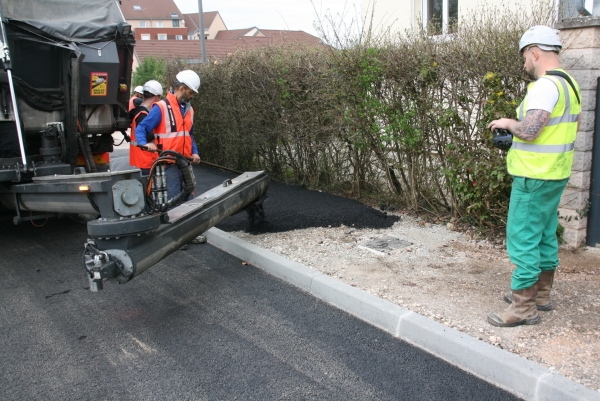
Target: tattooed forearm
[{"x": 531, "y": 127}]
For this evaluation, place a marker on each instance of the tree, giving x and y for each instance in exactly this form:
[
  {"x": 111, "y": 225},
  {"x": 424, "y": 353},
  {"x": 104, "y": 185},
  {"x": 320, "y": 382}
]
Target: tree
[{"x": 150, "y": 68}]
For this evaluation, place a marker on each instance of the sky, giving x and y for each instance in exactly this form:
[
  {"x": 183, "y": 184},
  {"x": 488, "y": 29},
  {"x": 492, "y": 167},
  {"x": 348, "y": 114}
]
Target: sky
[{"x": 295, "y": 15}]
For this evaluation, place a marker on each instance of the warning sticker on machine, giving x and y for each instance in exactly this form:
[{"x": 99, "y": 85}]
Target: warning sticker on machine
[{"x": 98, "y": 83}]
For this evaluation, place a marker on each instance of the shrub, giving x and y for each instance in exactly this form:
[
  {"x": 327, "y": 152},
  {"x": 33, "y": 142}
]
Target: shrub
[
  {"x": 150, "y": 68},
  {"x": 399, "y": 117}
]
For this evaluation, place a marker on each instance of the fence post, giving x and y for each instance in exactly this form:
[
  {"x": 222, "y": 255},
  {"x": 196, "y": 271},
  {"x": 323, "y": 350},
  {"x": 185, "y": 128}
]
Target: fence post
[{"x": 581, "y": 51}]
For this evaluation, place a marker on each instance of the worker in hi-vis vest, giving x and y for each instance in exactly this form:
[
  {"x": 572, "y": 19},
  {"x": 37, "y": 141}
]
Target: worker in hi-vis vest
[
  {"x": 171, "y": 121},
  {"x": 139, "y": 157},
  {"x": 540, "y": 161},
  {"x": 137, "y": 98}
]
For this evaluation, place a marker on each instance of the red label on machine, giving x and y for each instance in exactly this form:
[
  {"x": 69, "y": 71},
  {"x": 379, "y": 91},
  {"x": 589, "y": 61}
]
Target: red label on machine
[
  {"x": 99, "y": 159},
  {"x": 98, "y": 83}
]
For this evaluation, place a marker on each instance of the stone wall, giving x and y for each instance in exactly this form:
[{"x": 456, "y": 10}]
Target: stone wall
[{"x": 581, "y": 58}]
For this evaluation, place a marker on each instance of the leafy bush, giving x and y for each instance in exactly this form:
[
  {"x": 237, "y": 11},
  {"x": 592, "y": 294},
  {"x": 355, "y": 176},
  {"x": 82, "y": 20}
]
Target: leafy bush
[
  {"x": 400, "y": 118},
  {"x": 150, "y": 68}
]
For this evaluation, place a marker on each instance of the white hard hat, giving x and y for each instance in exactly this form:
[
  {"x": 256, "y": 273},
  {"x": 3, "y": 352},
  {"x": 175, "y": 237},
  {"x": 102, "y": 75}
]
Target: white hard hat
[
  {"x": 543, "y": 37},
  {"x": 153, "y": 87},
  {"x": 139, "y": 89},
  {"x": 190, "y": 78}
]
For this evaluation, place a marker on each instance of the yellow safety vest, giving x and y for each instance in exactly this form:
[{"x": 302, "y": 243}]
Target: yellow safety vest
[{"x": 550, "y": 155}]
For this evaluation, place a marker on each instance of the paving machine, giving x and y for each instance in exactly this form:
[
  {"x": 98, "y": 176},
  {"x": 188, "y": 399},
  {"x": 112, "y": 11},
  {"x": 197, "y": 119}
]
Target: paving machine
[{"x": 64, "y": 91}]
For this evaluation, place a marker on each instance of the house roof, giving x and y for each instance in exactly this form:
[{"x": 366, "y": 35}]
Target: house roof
[
  {"x": 233, "y": 33},
  {"x": 191, "y": 49},
  {"x": 191, "y": 20},
  {"x": 150, "y": 9},
  {"x": 275, "y": 35}
]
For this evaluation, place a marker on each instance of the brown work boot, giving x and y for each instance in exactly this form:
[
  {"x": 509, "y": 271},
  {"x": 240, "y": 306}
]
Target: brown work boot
[
  {"x": 521, "y": 311},
  {"x": 542, "y": 301}
]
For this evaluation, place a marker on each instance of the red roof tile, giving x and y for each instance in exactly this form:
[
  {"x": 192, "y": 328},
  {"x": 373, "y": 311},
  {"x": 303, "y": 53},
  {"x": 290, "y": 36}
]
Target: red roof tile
[
  {"x": 232, "y": 33},
  {"x": 275, "y": 35},
  {"x": 191, "y": 20},
  {"x": 150, "y": 9},
  {"x": 190, "y": 49}
]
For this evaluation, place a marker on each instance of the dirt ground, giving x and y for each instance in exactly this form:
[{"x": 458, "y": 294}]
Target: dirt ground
[{"x": 456, "y": 280}]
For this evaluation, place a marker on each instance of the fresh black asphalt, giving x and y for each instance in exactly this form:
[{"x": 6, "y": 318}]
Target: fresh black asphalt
[
  {"x": 293, "y": 207},
  {"x": 200, "y": 325}
]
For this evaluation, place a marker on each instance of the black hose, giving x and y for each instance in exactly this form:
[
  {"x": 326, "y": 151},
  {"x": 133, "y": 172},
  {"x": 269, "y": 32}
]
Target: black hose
[
  {"x": 86, "y": 150},
  {"x": 169, "y": 157},
  {"x": 220, "y": 167}
]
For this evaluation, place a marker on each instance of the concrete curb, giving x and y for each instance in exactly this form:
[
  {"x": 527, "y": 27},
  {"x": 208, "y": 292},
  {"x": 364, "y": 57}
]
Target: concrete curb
[{"x": 515, "y": 374}]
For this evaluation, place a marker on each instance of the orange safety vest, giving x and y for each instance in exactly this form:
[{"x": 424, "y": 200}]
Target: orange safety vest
[
  {"x": 139, "y": 157},
  {"x": 131, "y": 105},
  {"x": 174, "y": 129}
]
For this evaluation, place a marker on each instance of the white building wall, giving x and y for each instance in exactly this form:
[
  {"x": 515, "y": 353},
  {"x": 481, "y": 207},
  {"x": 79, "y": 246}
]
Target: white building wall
[
  {"x": 394, "y": 15},
  {"x": 152, "y": 23},
  {"x": 467, "y": 6},
  {"x": 216, "y": 26},
  {"x": 397, "y": 15}
]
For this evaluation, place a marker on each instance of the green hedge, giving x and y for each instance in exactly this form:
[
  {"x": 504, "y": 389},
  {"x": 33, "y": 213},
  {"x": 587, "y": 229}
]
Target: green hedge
[{"x": 395, "y": 120}]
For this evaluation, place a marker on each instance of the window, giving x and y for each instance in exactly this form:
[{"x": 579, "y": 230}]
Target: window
[
  {"x": 178, "y": 37},
  {"x": 174, "y": 15},
  {"x": 142, "y": 24},
  {"x": 162, "y": 36},
  {"x": 159, "y": 24},
  {"x": 440, "y": 16},
  {"x": 175, "y": 23},
  {"x": 137, "y": 8},
  {"x": 145, "y": 36}
]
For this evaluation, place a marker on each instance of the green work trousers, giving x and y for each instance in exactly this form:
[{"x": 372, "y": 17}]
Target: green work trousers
[{"x": 531, "y": 228}]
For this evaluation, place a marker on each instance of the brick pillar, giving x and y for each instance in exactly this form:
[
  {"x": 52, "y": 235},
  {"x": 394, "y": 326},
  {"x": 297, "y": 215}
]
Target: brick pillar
[{"x": 581, "y": 58}]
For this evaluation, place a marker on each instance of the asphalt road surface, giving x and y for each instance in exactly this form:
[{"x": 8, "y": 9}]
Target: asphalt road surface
[{"x": 200, "y": 325}]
